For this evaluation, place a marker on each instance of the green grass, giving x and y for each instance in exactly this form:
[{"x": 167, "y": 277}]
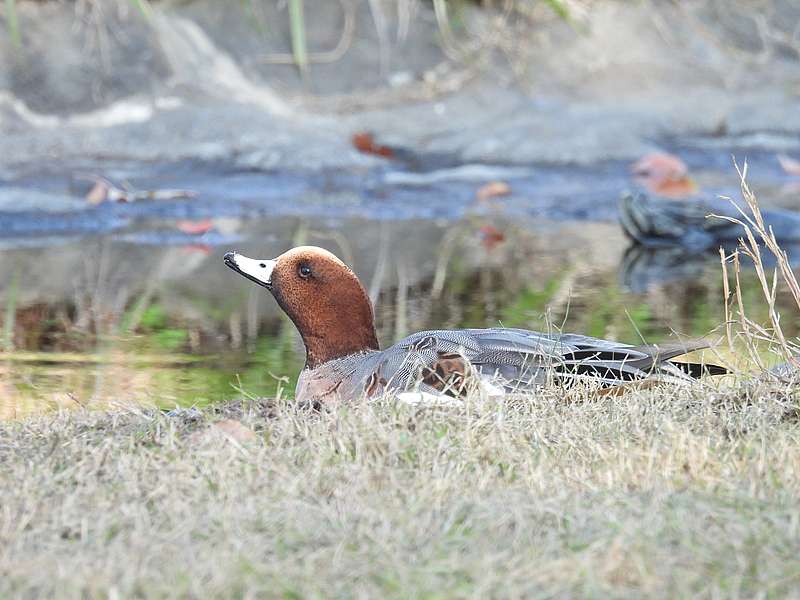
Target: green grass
[
  {"x": 144, "y": 8},
  {"x": 297, "y": 28},
  {"x": 660, "y": 493},
  {"x": 560, "y": 8},
  {"x": 12, "y": 23}
]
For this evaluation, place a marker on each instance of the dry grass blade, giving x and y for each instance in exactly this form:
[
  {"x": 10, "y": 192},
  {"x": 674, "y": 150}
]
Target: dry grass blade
[
  {"x": 756, "y": 232},
  {"x": 726, "y": 290},
  {"x": 661, "y": 492},
  {"x": 449, "y": 44}
]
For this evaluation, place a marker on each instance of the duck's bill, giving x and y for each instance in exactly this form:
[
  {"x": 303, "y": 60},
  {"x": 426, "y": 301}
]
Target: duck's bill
[{"x": 259, "y": 271}]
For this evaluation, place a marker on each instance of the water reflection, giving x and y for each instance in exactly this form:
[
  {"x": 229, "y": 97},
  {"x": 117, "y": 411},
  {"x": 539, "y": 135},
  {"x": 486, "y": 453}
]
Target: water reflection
[{"x": 101, "y": 321}]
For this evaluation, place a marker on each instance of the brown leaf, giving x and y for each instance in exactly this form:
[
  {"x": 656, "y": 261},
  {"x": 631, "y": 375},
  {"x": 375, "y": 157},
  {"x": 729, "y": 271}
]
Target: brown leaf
[
  {"x": 789, "y": 164},
  {"x": 364, "y": 142},
  {"x": 491, "y": 236},
  {"x": 493, "y": 189},
  {"x": 235, "y": 430}
]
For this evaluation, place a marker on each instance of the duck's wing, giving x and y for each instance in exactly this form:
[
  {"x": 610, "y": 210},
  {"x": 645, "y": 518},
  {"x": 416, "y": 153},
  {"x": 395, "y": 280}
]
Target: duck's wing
[
  {"x": 657, "y": 222},
  {"x": 525, "y": 358},
  {"x": 451, "y": 361}
]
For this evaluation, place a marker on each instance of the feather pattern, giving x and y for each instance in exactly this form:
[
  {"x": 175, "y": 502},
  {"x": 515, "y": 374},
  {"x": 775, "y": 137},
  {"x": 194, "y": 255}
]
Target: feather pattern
[
  {"x": 450, "y": 361},
  {"x": 655, "y": 222}
]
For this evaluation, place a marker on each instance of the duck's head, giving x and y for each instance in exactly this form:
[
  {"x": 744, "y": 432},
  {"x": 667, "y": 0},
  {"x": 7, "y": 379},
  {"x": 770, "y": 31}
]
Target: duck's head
[
  {"x": 664, "y": 175},
  {"x": 321, "y": 295}
]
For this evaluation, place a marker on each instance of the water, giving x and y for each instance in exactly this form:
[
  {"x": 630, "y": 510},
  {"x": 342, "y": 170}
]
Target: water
[{"x": 131, "y": 304}]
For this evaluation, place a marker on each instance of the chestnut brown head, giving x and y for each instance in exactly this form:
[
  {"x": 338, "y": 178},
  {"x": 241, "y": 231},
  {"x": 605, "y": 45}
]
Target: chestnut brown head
[{"x": 321, "y": 295}]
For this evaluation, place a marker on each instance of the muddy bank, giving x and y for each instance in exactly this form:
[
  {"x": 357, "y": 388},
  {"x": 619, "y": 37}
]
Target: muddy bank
[
  {"x": 201, "y": 96},
  {"x": 204, "y": 81}
]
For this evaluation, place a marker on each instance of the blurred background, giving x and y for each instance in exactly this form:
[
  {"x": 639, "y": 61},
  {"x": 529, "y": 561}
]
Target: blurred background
[{"x": 466, "y": 158}]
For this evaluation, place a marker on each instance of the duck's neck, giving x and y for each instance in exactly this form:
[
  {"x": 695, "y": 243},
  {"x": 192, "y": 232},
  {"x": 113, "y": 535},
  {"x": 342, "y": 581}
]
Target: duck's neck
[
  {"x": 331, "y": 334},
  {"x": 322, "y": 349}
]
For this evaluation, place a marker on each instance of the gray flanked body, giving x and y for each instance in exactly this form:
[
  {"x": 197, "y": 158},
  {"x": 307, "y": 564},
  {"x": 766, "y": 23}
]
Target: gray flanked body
[
  {"x": 511, "y": 360},
  {"x": 655, "y": 222}
]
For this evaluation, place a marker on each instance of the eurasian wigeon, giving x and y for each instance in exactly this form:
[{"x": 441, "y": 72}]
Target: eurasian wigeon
[
  {"x": 333, "y": 313},
  {"x": 698, "y": 225}
]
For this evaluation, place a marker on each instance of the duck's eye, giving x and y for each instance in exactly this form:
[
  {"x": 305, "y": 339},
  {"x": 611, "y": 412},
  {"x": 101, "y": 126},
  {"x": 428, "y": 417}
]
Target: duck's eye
[{"x": 304, "y": 271}]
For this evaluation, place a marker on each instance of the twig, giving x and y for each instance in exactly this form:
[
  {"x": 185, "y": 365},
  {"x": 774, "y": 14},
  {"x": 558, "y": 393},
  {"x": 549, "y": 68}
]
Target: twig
[{"x": 105, "y": 191}]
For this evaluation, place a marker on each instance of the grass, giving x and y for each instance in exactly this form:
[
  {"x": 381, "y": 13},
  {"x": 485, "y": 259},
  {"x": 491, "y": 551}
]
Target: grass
[
  {"x": 757, "y": 239},
  {"x": 297, "y": 28},
  {"x": 300, "y": 55},
  {"x": 12, "y": 23},
  {"x": 670, "y": 491},
  {"x": 666, "y": 492},
  {"x": 10, "y": 313}
]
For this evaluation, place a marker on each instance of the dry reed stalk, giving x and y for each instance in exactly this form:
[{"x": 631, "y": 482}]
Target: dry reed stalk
[{"x": 756, "y": 230}]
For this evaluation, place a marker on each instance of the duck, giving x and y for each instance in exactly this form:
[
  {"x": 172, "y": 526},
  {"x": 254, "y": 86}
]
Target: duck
[
  {"x": 702, "y": 224},
  {"x": 332, "y": 311}
]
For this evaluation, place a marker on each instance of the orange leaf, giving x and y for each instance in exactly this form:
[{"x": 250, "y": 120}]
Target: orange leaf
[
  {"x": 493, "y": 189},
  {"x": 364, "y": 142},
  {"x": 195, "y": 227}
]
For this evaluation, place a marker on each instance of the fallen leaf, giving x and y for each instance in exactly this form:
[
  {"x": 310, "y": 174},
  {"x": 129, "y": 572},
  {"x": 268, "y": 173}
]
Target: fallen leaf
[
  {"x": 364, "y": 142},
  {"x": 235, "y": 430},
  {"x": 789, "y": 164},
  {"x": 493, "y": 189},
  {"x": 491, "y": 236},
  {"x": 195, "y": 227}
]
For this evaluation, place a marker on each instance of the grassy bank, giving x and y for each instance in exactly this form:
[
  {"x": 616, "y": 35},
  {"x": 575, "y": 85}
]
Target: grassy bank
[{"x": 667, "y": 492}]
